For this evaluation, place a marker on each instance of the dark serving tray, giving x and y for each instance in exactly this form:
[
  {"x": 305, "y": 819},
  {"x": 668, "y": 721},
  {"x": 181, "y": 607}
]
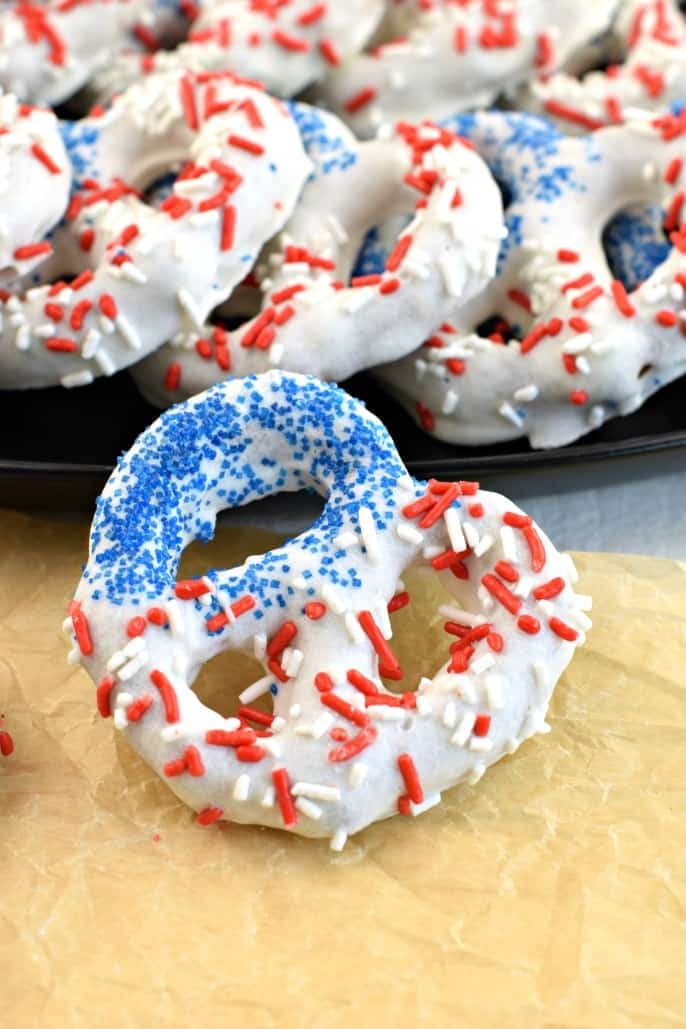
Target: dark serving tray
[{"x": 58, "y": 446}]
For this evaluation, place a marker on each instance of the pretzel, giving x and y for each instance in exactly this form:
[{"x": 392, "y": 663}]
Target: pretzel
[
  {"x": 456, "y": 56},
  {"x": 49, "y": 50},
  {"x": 149, "y": 273},
  {"x": 650, "y": 72},
  {"x": 286, "y": 44},
  {"x": 310, "y": 322},
  {"x": 338, "y": 751},
  {"x": 585, "y": 348},
  {"x": 34, "y": 186}
]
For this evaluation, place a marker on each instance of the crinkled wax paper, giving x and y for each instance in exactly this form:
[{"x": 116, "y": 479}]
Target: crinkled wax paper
[{"x": 552, "y": 894}]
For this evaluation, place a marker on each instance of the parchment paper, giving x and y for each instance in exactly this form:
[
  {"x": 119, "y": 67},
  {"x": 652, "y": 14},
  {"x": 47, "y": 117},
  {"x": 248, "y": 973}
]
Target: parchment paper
[{"x": 552, "y": 894}]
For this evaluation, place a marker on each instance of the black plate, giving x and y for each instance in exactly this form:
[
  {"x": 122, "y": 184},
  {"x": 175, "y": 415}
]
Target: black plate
[{"x": 58, "y": 446}]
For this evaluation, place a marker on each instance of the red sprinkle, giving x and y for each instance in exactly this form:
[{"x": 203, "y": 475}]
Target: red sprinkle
[
  {"x": 548, "y": 590},
  {"x": 209, "y": 815},
  {"x": 386, "y": 656},
  {"x": 323, "y": 682},
  {"x": 137, "y": 709},
  {"x": 527, "y": 623},
  {"x": 136, "y": 626},
  {"x": 6, "y": 743},
  {"x": 168, "y": 695},
  {"x": 398, "y": 601},
  {"x": 81, "y": 628},
  {"x": 501, "y": 593},
  {"x": 102, "y": 695},
  {"x": 482, "y": 724},
  {"x": 315, "y": 610},
  {"x": 563, "y": 630},
  {"x": 359, "y": 100},
  {"x": 354, "y": 746},
  {"x": 283, "y": 796},
  {"x": 344, "y": 708},
  {"x": 410, "y": 776}
]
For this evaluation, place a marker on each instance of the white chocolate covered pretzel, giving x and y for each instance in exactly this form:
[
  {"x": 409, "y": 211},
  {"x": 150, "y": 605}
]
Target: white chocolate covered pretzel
[
  {"x": 337, "y": 750},
  {"x": 582, "y": 349},
  {"x": 312, "y": 321},
  {"x": 151, "y": 273},
  {"x": 458, "y": 56},
  {"x": 648, "y": 72},
  {"x": 286, "y": 45}
]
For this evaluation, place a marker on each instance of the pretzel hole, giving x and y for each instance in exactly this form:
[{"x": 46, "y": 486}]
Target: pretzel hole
[
  {"x": 498, "y": 329},
  {"x": 635, "y": 244}
]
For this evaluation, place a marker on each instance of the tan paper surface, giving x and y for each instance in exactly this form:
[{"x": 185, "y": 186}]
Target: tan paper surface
[{"x": 552, "y": 894}]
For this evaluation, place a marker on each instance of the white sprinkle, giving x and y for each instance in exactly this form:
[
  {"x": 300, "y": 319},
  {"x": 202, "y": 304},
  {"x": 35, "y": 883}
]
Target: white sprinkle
[
  {"x": 507, "y": 411},
  {"x": 452, "y": 280},
  {"x": 480, "y": 744},
  {"x": 317, "y": 728},
  {"x": 456, "y": 614},
  {"x": 259, "y": 645},
  {"x": 295, "y": 711},
  {"x": 466, "y": 689},
  {"x": 382, "y": 713},
  {"x": 116, "y": 661},
  {"x": 299, "y": 583},
  {"x": 429, "y": 801},
  {"x": 133, "y": 666},
  {"x": 424, "y": 706},
  {"x": 257, "y": 689},
  {"x": 292, "y": 666},
  {"x": 540, "y": 674},
  {"x": 450, "y": 714},
  {"x": 104, "y": 362},
  {"x": 83, "y": 378},
  {"x": 354, "y": 629},
  {"x": 508, "y": 541},
  {"x": 119, "y": 718},
  {"x": 276, "y": 352},
  {"x": 272, "y": 746},
  {"x": 450, "y": 401},
  {"x": 471, "y": 534},
  {"x": 357, "y": 774},
  {"x": 241, "y": 787},
  {"x": 307, "y": 808},
  {"x": 127, "y": 332},
  {"x": 579, "y": 619},
  {"x": 409, "y": 534},
  {"x": 464, "y": 729},
  {"x": 338, "y": 840},
  {"x": 134, "y": 646},
  {"x": 268, "y": 797},
  {"x": 315, "y": 791},
  {"x": 546, "y": 608},
  {"x": 74, "y": 656},
  {"x": 453, "y": 526},
  {"x": 583, "y": 601},
  {"x": 369, "y": 534},
  {"x": 171, "y": 733},
  {"x": 188, "y": 304},
  {"x": 525, "y": 394},
  {"x": 179, "y": 664},
  {"x": 484, "y": 544},
  {"x": 493, "y": 685},
  {"x": 431, "y": 551},
  {"x": 333, "y": 599},
  {"x": 345, "y": 540},
  {"x": 133, "y": 273},
  {"x": 523, "y": 587},
  {"x": 176, "y": 622},
  {"x": 482, "y": 664},
  {"x": 476, "y": 774}
]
